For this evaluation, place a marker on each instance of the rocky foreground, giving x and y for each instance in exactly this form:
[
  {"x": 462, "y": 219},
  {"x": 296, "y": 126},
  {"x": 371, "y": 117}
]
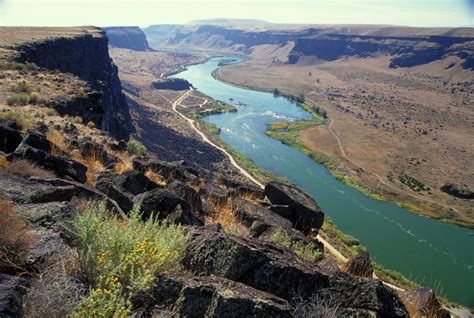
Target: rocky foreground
[{"x": 245, "y": 251}]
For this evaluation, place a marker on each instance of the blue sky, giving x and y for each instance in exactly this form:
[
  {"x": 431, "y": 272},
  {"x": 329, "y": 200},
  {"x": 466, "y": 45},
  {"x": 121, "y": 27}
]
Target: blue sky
[{"x": 432, "y": 13}]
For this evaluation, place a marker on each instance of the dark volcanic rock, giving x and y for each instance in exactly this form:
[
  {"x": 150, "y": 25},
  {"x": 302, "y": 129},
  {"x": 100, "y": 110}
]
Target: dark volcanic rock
[
  {"x": 261, "y": 265},
  {"x": 168, "y": 170},
  {"x": 123, "y": 188},
  {"x": 177, "y": 84},
  {"x": 209, "y": 297},
  {"x": 64, "y": 168},
  {"x": 258, "y": 219},
  {"x": 37, "y": 141},
  {"x": 306, "y": 215},
  {"x": 162, "y": 204},
  {"x": 362, "y": 293},
  {"x": 458, "y": 191},
  {"x": 39, "y": 190},
  {"x": 214, "y": 194},
  {"x": 11, "y": 295},
  {"x": 131, "y": 38},
  {"x": 360, "y": 265},
  {"x": 10, "y": 136},
  {"x": 187, "y": 193}
]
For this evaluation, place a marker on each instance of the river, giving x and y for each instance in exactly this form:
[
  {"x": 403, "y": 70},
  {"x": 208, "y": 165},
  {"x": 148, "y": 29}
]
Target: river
[{"x": 432, "y": 253}]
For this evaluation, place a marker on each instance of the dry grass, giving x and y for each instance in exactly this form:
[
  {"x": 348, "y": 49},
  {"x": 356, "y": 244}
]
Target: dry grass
[
  {"x": 23, "y": 119},
  {"x": 156, "y": 178},
  {"x": 59, "y": 142},
  {"x": 3, "y": 162},
  {"x": 125, "y": 163},
  {"x": 223, "y": 213},
  {"x": 56, "y": 291},
  {"x": 93, "y": 161},
  {"x": 16, "y": 239},
  {"x": 26, "y": 169}
]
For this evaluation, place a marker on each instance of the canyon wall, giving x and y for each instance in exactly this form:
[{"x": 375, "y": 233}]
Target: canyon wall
[
  {"x": 87, "y": 57},
  {"x": 131, "y": 38}
]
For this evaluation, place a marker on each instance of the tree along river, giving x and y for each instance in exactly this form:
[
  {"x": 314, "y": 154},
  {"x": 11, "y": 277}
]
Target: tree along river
[{"x": 432, "y": 253}]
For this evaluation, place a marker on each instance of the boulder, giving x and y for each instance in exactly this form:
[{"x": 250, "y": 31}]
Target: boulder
[
  {"x": 124, "y": 187},
  {"x": 214, "y": 194},
  {"x": 63, "y": 167},
  {"x": 169, "y": 170},
  {"x": 161, "y": 204},
  {"x": 360, "y": 265},
  {"x": 422, "y": 302},
  {"x": 10, "y": 136},
  {"x": 182, "y": 217},
  {"x": 37, "y": 141},
  {"x": 37, "y": 190},
  {"x": 262, "y": 265},
  {"x": 365, "y": 294},
  {"x": 186, "y": 192},
  {"x": 11, "y": 294},
  {"x": 274, "y": 269},
  {"x": 282, "y": 210},
  {"x": 306, "y": 215},
  {"x": 209, "y": 297},
  {"x": 256, "y": 218}
]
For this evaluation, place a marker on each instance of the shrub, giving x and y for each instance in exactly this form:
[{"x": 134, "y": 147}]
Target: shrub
[
  {"x": 305, "y": 251},
  {"x": 18, "y": 66},
  {"x": 18, "y": 99},
  {"x": 57, "y": 291},
  {"x": 91, "y": 124},
  {"x": 317, "y": 306},
  {"x": 23, "y": 120},
  {"x": 33, "y": 97},
  {"x": 3, "y": 161},
  {"x": 119, "y": 257},
  {"x": 26, "y": 169},
  {"x": 136, "y": 148},
  {"x": 16, "y": 239}
]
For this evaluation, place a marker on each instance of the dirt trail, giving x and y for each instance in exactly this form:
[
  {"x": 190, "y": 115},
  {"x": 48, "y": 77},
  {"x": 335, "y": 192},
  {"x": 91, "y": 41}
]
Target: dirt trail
[{"x": 205, "y": 139}]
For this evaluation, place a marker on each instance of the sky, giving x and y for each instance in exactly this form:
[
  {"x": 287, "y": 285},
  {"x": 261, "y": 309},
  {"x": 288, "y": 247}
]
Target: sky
[{"x": 424, "y": 13}]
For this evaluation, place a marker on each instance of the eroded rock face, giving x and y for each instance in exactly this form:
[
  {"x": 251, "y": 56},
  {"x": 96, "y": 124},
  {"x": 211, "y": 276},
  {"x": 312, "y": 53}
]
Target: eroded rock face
[
  {"x": 277, "y": 270},
  {"x": 306, "y": 214},
  {"x": 11, "y": 294},
  {"x": 264, "y": 266},
  {"x": 10, "y": 136},
  {"x": 131, "y": 38},
  {"x": 63, "y": 167},
  {"x": 123, "y": 188},
  {"x": 458, "y": 191},
  {"x": 163, "y": 204},
  {"x": 210, "y": 297}
]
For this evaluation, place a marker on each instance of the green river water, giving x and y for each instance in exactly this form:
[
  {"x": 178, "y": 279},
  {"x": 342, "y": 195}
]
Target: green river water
[{"x": 430, "y": 252}]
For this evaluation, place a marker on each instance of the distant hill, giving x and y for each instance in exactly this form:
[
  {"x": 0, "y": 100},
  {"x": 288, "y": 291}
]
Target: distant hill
[{"x": 127, "y": 37}]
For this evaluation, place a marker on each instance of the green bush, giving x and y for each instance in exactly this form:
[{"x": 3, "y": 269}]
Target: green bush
[
  {"x": 18, "y": 99},
  {"x": 136, "y": 148},
  {"x": 18, "y": 66},
  {"x": 119, "y": 257},
  {"x": 305, "y": 251}
]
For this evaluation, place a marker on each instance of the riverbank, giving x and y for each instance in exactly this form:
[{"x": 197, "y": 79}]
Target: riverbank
[{"x": 365, "y": 180}]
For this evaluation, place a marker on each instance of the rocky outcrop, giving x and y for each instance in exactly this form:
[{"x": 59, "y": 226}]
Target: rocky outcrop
[
  {"x": 209, "y": 297},
  {"x": 10, "y": 136},
  {"x": 458, "y": 191},
  {"x": 11, "y": 293},
  {"x": 131, "y": 38},
  {"x": 87, "y": 57},
  {"x": 306, "y": 214},
  {"x": 277, "y": 270},
  {"x": 360, "y": 265},
  {"x": 176, "y": 84}
]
